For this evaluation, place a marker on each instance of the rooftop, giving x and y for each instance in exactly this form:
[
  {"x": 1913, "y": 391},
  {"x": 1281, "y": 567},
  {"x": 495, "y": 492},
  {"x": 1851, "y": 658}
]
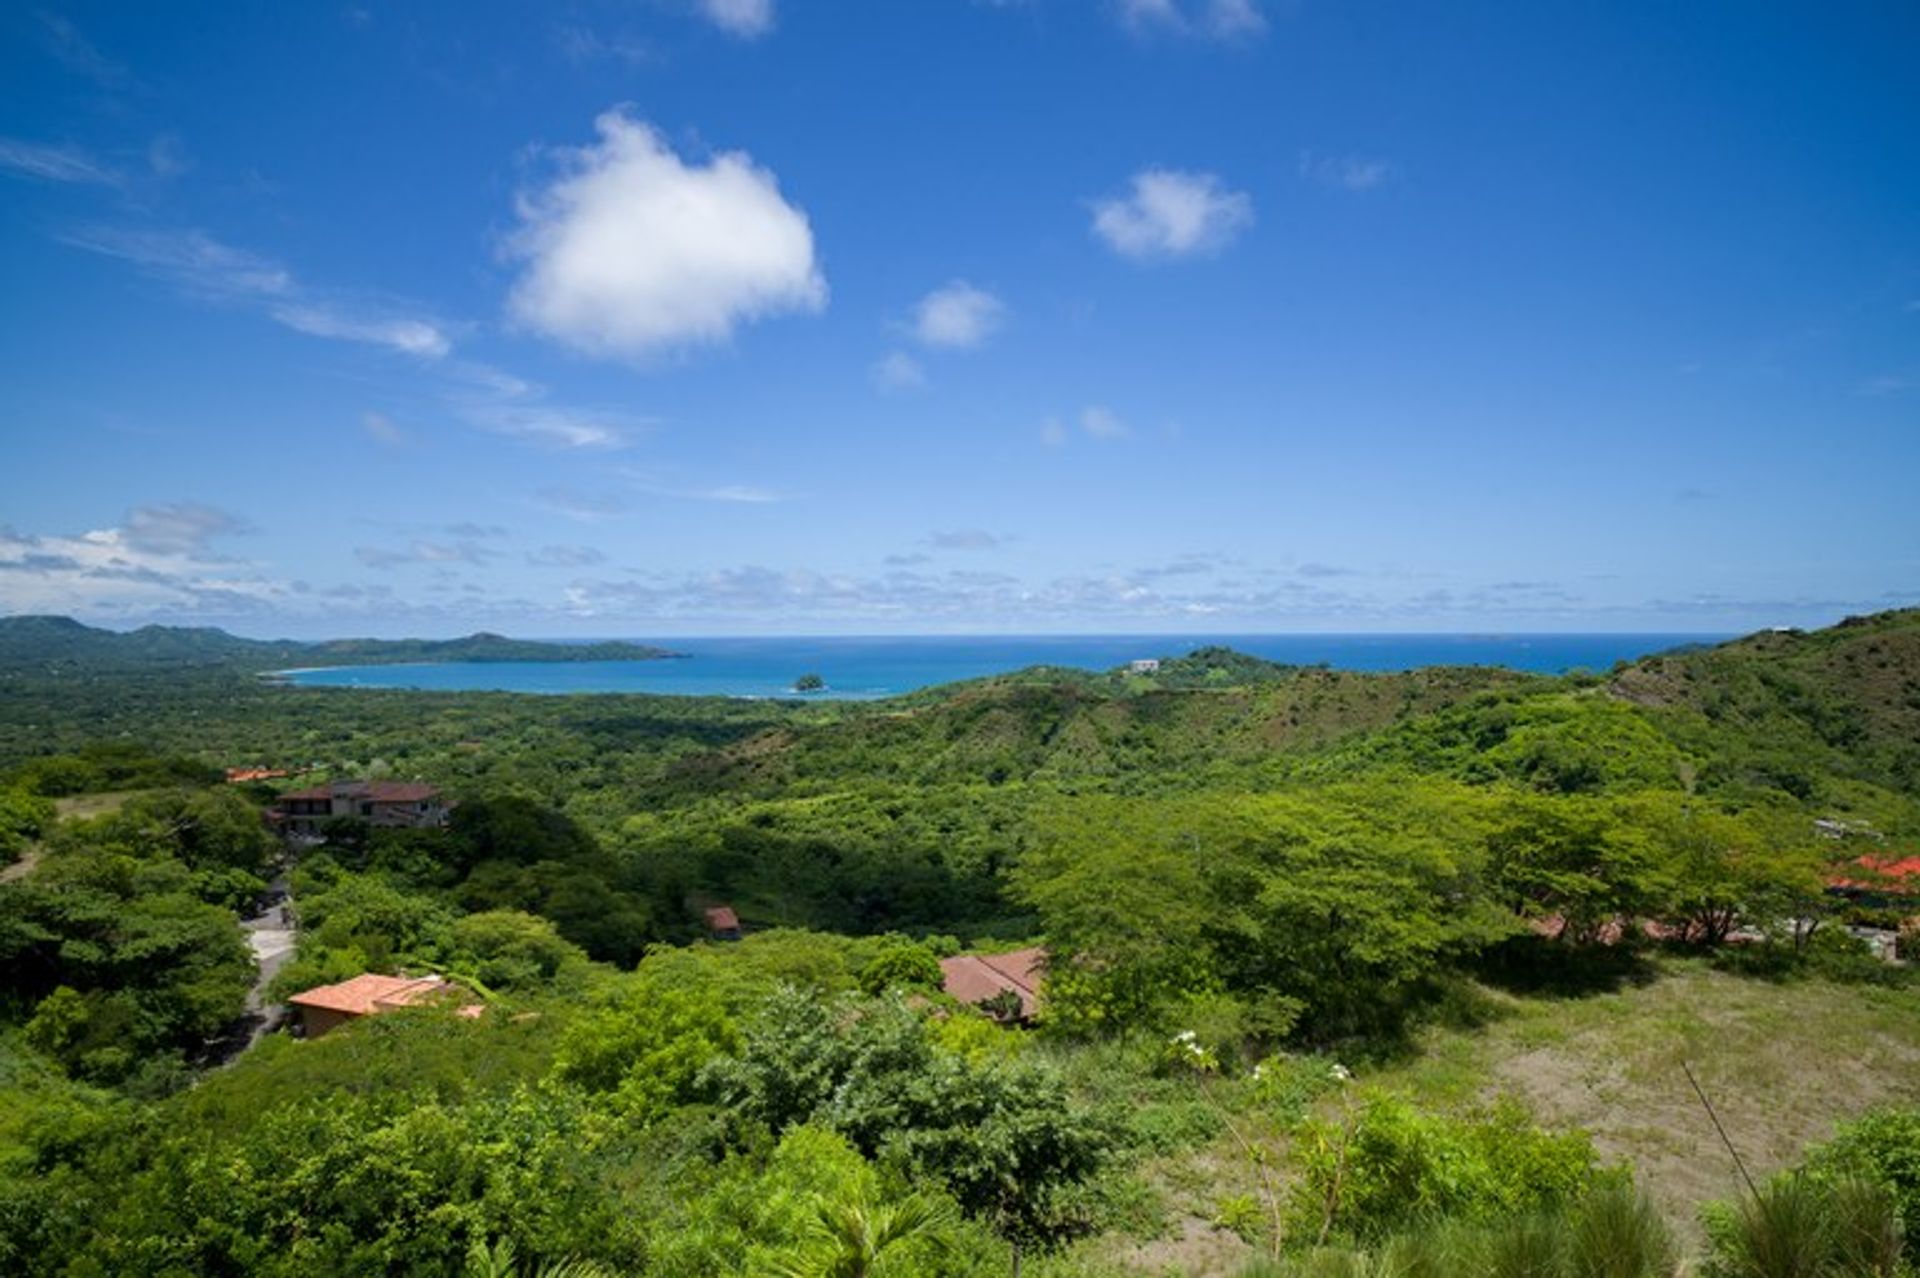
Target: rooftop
[
  {"x": 973, "y": 978},
  {"x": 370, "y": 993}
]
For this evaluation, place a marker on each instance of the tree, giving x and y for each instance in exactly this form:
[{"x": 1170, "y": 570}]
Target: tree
[
  {"x": 1574, "y": 860},
  {"x": 852, "y": 1238}
]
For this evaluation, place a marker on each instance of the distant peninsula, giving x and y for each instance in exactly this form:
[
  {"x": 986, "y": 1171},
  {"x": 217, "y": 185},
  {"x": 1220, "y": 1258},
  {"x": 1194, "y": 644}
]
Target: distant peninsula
[{"x": 55, "y": 643}]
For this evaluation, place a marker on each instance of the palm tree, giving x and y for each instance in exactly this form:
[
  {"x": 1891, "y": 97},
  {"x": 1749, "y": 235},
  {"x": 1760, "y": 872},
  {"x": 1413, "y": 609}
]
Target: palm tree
[
  {"x": 849, "y": 1239},
  {"x": 500, "y": 1260}
]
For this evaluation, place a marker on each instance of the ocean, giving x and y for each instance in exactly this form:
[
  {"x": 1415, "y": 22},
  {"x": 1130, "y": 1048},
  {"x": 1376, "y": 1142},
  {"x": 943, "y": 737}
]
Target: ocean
[{"x": 869, "y": 668}]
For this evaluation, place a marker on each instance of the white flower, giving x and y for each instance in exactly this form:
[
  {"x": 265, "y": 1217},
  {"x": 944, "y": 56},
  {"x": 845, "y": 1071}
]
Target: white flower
[{"x": 1341, "y": 1073}]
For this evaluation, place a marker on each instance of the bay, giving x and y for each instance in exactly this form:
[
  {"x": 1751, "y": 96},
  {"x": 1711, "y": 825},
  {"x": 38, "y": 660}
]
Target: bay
[{"x": 882, "y": 666}]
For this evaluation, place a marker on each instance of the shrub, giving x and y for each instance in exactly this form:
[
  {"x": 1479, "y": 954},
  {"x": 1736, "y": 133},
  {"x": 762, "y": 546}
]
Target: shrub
[
  {"x": 1390, "y": 1165},
  {"x": 1883, "y": 1147}
]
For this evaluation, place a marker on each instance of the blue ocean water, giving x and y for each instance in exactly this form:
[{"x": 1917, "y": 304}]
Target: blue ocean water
[{"x": 867, "y": 668}]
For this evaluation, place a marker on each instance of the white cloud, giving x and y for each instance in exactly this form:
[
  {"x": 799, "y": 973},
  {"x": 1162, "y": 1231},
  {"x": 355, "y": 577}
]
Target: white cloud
[
  {"x": 1102, "y": 423},
  {"x": 964, "y": 539},
  {"x": 957, "y": 315},
  {"x": 202, "y": 267},
  {"x": 898, "y": 371},
  {"x": 497, "y": 401},
  {"x": 747, "y": 19},
  {"x": 53, "y": 163},
  {"x": 1172, "y": 214},
  {"x": 159, "y": 559},
  {"x": 408, "y": 336},
  {"x": 632, "y": 251},
  {"x": 1348, "y": 172},
  {"x": 1206, "y": 19}
]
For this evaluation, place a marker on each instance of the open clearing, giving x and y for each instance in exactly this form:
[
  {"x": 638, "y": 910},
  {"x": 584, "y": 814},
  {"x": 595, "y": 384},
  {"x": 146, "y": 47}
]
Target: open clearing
[{"x": 1782, "y": 1064}]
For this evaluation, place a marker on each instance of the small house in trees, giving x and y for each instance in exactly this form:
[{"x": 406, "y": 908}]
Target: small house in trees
[
  {"x": 384, "y": 803},
  {"x": 328, "y": 1007},
  {"x": 723, "y": 924},
  {"x": 1008, "y": 985}
]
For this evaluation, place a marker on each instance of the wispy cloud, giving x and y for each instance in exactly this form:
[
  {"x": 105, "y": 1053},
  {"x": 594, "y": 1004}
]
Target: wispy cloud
[
  {"x": 747, "y": 19},
  {"x": 65, "y": 164},
  {"x": 1171, "y": 214},
  {"x": 1205, "y": 19},
  {"x": 956, "y": 315},
  {"x": 587, "y": 507},
  {"x": 202, "y": 267},
  {"x": 964, "y": 539},
  {"x": 1101, "y": 422},
  {"x": 584, "y": 44},
  {"x": 409, "y": 336},
  {"x": 75, "y": 52},
  {"x": 898, "y": 371},
  {"x": 382, "y": 429},
  {"x": 1346, "y": 172},
  {"x": 468, "y": 551},
  {"x": 565, "y": 557}
]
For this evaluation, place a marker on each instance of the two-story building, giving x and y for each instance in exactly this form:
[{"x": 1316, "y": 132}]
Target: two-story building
[{"x": 385, "y": 803}]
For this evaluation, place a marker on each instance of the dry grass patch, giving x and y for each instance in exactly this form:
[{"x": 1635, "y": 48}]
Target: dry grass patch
[{"x": 1781, "y": 1063}]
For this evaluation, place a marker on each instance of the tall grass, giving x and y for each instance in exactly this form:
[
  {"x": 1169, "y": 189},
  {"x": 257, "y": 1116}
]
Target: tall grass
[
  {"x": 1618, "y": 1234},
  {"x": 1613, "y": 1232},
  {"x": 1801, "y": 1227}
]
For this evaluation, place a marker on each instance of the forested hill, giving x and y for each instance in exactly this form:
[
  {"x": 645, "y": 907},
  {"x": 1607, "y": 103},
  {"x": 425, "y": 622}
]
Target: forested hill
[
  {"x": 61, "y": 643},
  {"x": 1048, "y": 723},
  {"x": 1846, "y": 697}
]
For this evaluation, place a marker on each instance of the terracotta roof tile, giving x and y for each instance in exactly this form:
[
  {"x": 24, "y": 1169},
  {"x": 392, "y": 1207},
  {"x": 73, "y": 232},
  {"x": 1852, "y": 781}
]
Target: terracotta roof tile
[
  {"x": 973, "y": 978},
  {"x": 369, "y": 993}
]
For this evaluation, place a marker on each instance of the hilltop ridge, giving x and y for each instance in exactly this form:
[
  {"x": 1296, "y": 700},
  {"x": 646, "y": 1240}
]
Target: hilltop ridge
[{"x": 55, "y": 641}]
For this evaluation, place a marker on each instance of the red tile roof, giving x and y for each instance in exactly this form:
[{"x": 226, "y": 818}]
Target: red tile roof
[
  {"x": 721, "y": 918},
  {"x": 1882, "y": 874},
  {"x": 370, "y": 993},
  {"x": 973, "y": 978}
]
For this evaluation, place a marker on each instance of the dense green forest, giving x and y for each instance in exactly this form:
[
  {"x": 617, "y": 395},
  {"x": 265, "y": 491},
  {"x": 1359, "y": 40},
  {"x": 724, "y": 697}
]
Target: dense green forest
[{"x": 1265, "y": 892}]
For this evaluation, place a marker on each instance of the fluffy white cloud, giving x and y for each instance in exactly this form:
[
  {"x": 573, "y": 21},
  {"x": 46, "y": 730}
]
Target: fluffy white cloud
[
  {"x": 957, "y": 315},
  {"x": 1172, "y": 214},
  {"x": 53, "y": 163},
  {"x": 747, "y": 19},
  {"x": 631, "y": 250}
]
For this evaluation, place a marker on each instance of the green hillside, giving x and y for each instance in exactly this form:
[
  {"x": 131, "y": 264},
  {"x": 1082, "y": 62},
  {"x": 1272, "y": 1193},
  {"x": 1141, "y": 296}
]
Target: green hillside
[{"x": 54, "y": 644}]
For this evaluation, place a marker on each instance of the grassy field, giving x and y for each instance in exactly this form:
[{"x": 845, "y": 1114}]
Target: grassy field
[
  {"x": 1782, "y": 1063},
  {"x": 81, "y": 807}
]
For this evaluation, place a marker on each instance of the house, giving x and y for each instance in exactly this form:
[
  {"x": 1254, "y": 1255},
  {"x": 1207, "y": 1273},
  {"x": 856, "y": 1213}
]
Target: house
[
  {"x": 385, "y": 803},
  {"x": 982, "y": 978},
  {"x": 1879, "y": 882},
  {"x": 723, "y": 924},
  {"x": 369, "y": 994},
  {"x": 1144, "y": 665}
]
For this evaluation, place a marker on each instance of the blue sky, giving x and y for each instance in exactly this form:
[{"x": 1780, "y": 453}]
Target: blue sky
[{"x": 779, "y": 316}]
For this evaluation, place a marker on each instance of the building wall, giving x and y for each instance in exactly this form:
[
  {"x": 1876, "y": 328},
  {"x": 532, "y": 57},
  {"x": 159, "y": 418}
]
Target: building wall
[{"x": 315, "y": 1021}]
